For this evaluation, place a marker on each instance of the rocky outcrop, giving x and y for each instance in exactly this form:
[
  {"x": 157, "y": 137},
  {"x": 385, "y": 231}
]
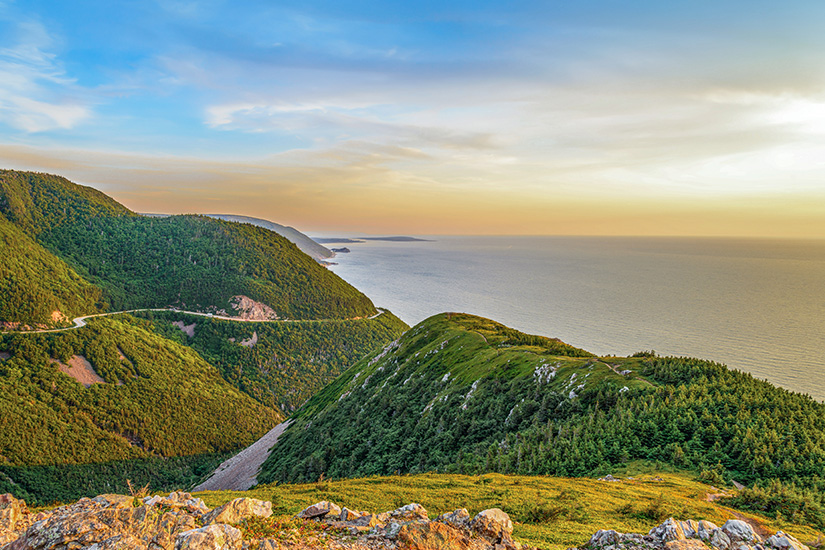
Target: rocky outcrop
[
  {"x": 694, "y": 535},
  {"x": 180, "y": 522},
  {"x": 409, "y": 527}
]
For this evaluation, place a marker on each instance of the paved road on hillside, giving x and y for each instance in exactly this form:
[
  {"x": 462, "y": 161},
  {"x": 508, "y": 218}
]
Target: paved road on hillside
[
  {"x": 240, "y": 472},
  {"x": 81, "y": 321}
]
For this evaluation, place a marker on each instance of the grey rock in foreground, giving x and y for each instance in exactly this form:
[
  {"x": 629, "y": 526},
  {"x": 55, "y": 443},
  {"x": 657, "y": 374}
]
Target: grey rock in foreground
[{"x": 694, "y": 535}]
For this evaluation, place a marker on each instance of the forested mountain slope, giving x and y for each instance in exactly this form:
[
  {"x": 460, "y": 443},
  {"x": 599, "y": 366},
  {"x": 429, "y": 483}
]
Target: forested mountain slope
[
  {"x": 459, "y": 393},
  {"x": 190, "y": 261},
  {"x": 280, "y": 364},
  {"x": 114, "y": 390},
  {"x": 37, "y": 286}
]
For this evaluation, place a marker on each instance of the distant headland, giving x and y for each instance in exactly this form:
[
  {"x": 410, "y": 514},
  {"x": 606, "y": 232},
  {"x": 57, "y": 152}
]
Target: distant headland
[{"x": 345, "y": 240}]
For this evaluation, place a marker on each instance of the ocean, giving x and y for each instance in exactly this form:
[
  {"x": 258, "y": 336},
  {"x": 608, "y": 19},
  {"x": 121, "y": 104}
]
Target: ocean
[{"x": 754, "y": 305}]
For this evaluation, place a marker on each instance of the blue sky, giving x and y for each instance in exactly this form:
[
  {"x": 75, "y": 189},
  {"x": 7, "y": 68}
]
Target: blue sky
[{"x": 472, "y": 117}]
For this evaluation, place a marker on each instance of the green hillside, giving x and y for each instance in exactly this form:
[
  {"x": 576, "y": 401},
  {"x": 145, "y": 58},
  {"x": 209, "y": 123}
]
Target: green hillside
[
  {"x": 150, "y": 410},
  {"x": 280, "y": 364},
  {"x": 193, "y": 262},
  {"x": 37, "y": 286},
  {"x": 462, "y": 394},
  {"x": 155, "y": 398}
]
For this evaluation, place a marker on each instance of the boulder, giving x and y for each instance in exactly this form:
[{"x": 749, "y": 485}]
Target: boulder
[
  {"x": 460, "y": 519},
  {"x": 238, "y": 510},
  {"x": 409, "y": 512},
  {"x": 211, "y": 537},
  {"x": 740, "y": 531},
  {"x": 319, "y": 510},
  {"x": 718, "y": 539},
  {"x": 492, "y": 523},
  {"x": 667, "y": 531},
  {"x": 432, "y": 536},
  {"x": 604, "y": 537},
  {"x": 784, "y": 541}
]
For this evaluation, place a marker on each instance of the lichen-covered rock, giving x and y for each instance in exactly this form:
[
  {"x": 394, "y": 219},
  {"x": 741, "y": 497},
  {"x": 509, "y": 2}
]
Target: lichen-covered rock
[
  {"x": 667, "y": 531},
  {"x": 409, "y": 512},
  {"x": 740, "y": 531},
  {"x": 212, "y": 537},
  {"x": 492, "y": 523},
  {"x": 460, "y": 519},
  {"x": 784, "y": 541},
  {"x": 237, "y": 510},
  {"x": 319, "y": 510}
]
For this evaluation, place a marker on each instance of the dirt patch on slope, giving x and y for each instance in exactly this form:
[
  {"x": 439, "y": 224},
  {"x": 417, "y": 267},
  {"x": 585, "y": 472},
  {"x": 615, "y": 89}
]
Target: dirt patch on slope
[
  {"x": 4, "y": 355},
  {"x": 250, "y": 342},
  {"x": 81, "y": 370},
  {"x": 189, "y": 330}
]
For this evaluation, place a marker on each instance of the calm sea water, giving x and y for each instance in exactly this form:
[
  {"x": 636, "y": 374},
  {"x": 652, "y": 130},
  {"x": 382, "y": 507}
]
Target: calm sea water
[{"x": 755, "y": 305}]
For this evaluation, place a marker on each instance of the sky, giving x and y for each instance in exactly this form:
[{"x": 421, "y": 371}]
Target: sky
[{"x": 594, "y": 117}]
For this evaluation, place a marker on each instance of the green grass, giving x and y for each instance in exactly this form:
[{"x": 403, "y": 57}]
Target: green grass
[{"x": 548, "y": 512}]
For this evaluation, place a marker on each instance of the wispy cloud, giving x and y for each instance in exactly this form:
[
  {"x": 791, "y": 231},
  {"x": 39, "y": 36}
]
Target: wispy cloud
[{"x": 35, "y": 93}]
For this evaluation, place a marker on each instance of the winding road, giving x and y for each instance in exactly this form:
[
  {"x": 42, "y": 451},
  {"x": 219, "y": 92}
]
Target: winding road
[{"x": 81, "y": 321}]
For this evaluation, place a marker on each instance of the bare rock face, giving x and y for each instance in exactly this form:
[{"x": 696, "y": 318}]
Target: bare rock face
[{"x": 237, "y": 510}]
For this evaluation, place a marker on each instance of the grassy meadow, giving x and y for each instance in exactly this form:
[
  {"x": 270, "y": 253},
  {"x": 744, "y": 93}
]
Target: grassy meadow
[{"x": 548, "y": 512}]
